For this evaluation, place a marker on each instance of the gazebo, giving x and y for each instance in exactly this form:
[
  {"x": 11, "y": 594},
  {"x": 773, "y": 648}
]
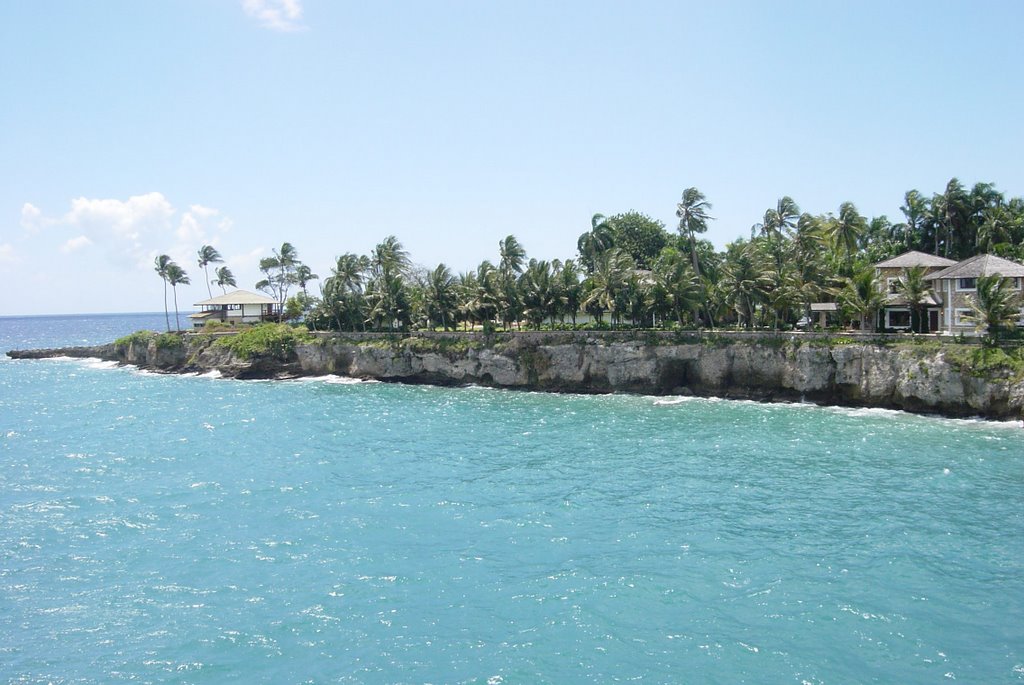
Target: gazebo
[{"x": 240, "y": 306}]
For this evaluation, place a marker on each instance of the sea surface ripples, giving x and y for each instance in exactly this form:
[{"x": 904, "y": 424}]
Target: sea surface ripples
[{"x": 201, "y": 530}]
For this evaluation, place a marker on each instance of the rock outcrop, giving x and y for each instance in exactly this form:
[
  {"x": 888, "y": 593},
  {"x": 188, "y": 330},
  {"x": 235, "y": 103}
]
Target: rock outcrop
[{"x": 765, "y": 367}]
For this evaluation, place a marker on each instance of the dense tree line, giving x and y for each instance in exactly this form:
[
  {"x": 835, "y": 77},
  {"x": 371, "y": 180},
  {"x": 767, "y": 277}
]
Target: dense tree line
[{"x": 630, "y": 270}]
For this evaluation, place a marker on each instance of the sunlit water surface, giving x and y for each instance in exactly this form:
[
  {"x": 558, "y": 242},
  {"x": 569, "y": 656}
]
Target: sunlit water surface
[{"x": 200, "y": 530}]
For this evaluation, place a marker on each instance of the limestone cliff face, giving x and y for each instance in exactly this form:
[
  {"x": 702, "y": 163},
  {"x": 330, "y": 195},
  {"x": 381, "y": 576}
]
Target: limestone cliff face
[{"x": 766, "y": 368}]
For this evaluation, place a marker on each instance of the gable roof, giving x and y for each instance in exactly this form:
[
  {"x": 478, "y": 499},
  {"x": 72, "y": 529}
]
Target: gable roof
[
  {"x": 237, "y": 297},
  {"x": 914, "y": 258},
  {"x": 980, "y": 265}
]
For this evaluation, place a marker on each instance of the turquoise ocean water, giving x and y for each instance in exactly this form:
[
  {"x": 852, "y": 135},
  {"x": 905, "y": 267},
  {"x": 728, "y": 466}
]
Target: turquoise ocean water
[{"x": 170, "y": 529}]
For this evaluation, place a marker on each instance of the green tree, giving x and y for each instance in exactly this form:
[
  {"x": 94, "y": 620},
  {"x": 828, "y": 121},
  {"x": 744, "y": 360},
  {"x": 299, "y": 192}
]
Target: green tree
[
  {"x": 279, "y": 274},
  {"x": 914, "y": 289},
  {"x": 693, "y": 215},
  {"x": 538, "y": 292},
  {"x": 611, "y": 271},
  {"x": 342, "y": 300},
  {"x": 844, "y": 232},
  {"x": 303, "y": 275},
  {"x": 176, "y": 276},
  {"x": 208, "y": 255},
  {"x": 440, "y": 297},
  {"x": 160, "y": 265},
  {"x": 387, "y": 295},
  {"x": 745, "y": 280},
  {"x": 676, "y": 288},
  {"x": 569, "y": 290},
  {"x": 862, "y": 294},
  {"x": 915, "y": 213},
  {"x": 640, "y": 236},
  {"x": 512, "y": 256},
  {"x": 224, "y": 278},
  {"x": 995, "y": 307},
  {"x": 598, "y": 239}
]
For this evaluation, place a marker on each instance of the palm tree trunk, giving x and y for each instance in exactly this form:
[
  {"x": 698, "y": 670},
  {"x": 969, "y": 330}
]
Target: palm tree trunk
[
  {"x": 167, "y": 316},
  {"x": 177, "y": 323},
  {"x": 206, "y": 273}
]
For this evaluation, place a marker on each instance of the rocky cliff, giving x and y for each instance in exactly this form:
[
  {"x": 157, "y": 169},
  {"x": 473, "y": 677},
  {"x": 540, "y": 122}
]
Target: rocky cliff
[{"x": 931, "y": 378}]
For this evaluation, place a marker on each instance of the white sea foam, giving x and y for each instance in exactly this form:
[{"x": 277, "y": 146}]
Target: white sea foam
[
  {"x": 677, "y": 399},
  {"x": 99, "y": 364},
  {"x": 333, "y": 379}
]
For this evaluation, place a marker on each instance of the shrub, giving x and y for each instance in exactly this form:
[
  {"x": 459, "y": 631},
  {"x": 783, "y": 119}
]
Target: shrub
[
  {"x": 169, "y": 341},
  {"x": 269, "y": 339},
  {"x": 136, "y": 338}
]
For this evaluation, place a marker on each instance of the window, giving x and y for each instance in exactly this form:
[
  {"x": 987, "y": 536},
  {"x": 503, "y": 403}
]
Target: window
[
  {"x": 960, "y": 317},
  {"x": 897, "y": 318},
  {"x": 1015, "y": 283},
  {"x": 892, "y": 284},
  {"x": 966, "y": 283}
]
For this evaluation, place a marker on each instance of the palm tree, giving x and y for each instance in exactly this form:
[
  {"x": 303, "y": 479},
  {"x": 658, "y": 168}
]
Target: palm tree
[
  {"x": 862, "y": 294},
  {"x": 845, "y": 231},
  {"x": 224, "y": 278},
  {"x": 512, "y": 256},
  {"x": 676, "y": 287},
  {"x": 611, "y": 270},
  {"x": 349, "y": 270},
  {"x": 693, "y": 215},
  {"x": 440, "y": 297},
  {"x": 160, "y": 265},
  {"x": 387, "y": 295},
  {"x": 569, "y": 289},
  {"x": 994, "y": 306},
  {"x": 599, "y": 238},
  {"x": 303, "y": 275},
  {"x": 745, "y": 280},
  {"x": 915, "y": 210},
  {"x": 913, "y": 288},
  {"x": 208, "y": 255},
  {"x": 176, "y": 276}
]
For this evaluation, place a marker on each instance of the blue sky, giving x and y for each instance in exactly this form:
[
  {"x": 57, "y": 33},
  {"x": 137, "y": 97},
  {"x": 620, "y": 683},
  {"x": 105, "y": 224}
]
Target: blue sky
[{"x": 130, "y": 129}]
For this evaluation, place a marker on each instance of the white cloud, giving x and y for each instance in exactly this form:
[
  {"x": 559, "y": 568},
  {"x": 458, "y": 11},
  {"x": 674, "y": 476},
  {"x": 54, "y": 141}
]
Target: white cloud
[
  {"x": 130, "y": 218},
  {"x": 278, "y": 15},
  {"x": 31, "y": 217},
  {"x": 7, "y": 255},
  {"x": 130, "y": 232},
  {"x": 75, "y": 244}
]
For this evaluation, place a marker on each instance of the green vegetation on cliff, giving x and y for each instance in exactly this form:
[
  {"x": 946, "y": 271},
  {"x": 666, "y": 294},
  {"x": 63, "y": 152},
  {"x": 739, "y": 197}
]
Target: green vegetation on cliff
[{"x": 269, "y": 339}]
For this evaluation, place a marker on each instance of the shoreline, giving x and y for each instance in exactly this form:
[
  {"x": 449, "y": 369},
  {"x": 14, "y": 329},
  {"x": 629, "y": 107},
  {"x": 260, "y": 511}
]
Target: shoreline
[{"x": 928, "y": 380}]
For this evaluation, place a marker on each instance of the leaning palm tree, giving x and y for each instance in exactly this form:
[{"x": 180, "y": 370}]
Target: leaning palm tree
[
  {"x": 693, "y": 215},
  {"x": 512, "y": 256},
  {"x": 160, "y": 265},
  {"x": 994, "y": 306},
  {"x": 208, "y": 255},
  {"x": 224, "y": 278},
  {"x": 176, "y": 276},
  {"x": 303, "y": 275}
]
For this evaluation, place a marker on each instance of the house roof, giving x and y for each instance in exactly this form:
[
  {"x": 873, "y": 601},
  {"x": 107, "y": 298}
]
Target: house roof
[
  {"x": 237, "y": 297},
  {"x": 980, "y": 265},
  {"x": 914, "y": 258}
]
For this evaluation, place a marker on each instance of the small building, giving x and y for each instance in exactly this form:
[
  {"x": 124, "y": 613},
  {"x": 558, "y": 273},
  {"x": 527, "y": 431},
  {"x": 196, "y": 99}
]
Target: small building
[
  {"x": 240, "y": 306},
  {"x": 896, "y": 310},
  {"x": 956, "y": 284}
]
